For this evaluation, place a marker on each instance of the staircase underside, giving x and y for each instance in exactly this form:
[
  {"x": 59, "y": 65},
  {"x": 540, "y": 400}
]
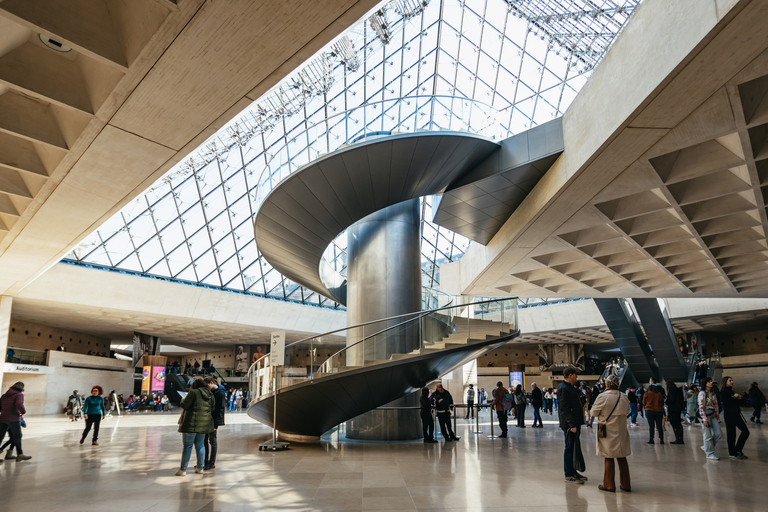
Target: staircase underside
[{"x": 312, "y": 408}]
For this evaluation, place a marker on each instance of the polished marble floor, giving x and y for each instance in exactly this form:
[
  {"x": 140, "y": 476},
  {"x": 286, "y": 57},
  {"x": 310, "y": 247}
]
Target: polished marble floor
[{"x": 133, "y": 470}]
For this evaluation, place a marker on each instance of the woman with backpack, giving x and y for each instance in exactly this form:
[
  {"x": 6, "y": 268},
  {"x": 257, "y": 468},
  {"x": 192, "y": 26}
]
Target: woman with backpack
[{"x": 196, "y": 420}]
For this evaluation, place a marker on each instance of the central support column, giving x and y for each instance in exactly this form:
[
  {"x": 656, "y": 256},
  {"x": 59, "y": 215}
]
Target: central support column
[
  {"x": 384, "y": 280},
  {"x": 5, "y": 331}
]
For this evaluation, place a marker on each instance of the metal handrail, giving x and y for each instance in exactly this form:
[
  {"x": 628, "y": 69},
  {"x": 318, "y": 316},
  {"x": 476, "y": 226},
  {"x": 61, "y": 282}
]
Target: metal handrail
[
  {"x": 416, "y": 315},
  {"x": 308, "y": 338}
]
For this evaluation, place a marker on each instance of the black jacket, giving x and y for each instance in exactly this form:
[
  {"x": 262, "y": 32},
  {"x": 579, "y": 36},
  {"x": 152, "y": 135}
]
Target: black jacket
[
  {"x": 220, "y": 399},
  {"x": 675, "y": 401},
  {"x": 426, "y": 403},
  {"x": 537, "y": 397},
  {"x": 442, "y": 400},
  {"x": 728, "y": 404},
  {"x": 569, "y": 408}
]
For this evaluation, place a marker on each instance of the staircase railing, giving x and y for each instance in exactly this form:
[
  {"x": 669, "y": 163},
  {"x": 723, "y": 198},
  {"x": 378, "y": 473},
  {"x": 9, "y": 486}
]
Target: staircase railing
[{"x": 374, "y": 342}]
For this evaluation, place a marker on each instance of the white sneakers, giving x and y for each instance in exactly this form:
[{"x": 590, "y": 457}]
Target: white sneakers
[{"x": 181, "y": 472}]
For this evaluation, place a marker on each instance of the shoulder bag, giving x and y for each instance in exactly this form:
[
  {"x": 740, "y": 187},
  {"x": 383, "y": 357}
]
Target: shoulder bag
[{"x": 602, "y": 431}]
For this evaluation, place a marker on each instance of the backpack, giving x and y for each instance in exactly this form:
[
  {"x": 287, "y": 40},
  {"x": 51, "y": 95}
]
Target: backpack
[{"x": 508, "y": 402}]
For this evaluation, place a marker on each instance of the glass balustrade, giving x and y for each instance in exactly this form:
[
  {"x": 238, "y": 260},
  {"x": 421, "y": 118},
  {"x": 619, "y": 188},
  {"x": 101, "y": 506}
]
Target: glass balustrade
[{"x": 465, "y": 320}]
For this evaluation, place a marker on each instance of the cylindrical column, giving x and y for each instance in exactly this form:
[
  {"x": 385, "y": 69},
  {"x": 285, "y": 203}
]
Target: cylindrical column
[
  {"x": 5, "y": 330},
  {"x": 384, "y": 279}
]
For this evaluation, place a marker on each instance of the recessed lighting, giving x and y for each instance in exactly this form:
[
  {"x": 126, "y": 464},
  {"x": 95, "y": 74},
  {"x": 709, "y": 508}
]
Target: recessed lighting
[{"x": 53, "y": 44}]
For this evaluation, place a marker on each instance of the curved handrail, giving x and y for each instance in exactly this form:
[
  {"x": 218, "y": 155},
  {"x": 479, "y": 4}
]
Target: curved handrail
[{"x": 261, "y": 363}]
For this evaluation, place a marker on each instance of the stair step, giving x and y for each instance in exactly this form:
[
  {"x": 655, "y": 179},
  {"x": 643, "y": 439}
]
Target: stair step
[{"x": 399, "y": 357}]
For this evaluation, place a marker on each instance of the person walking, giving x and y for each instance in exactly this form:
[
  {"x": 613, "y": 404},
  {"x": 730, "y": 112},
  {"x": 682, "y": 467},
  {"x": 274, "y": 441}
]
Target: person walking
[
  {"x": 520, "y": 405},
  {"x": 426, "y": 404},
  {"x": 675, "y": 406},
  {"x": 196, "y": 421},
  {"x": 611, "y": 408},
  {"x": 654, "y": 412},
  {"x": 756, "y": 400},
  {"x": 470, "y": 402},
  {"x": 498, "y": 404},
  {"x": 709, "y": 411},
  {"x": 93, "y": 412},
  {"x": 443, "y": 405},
  {"x": 733, "y": 420},
  {"x": 537, "y": 401},
  {"x": 570, "y": 412},
  {"x": 11, "y": 411}
]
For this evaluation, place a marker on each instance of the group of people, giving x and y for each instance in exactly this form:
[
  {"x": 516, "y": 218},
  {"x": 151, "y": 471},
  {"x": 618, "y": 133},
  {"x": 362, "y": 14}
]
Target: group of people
[
  {"x": 201, "y": 415},
  {"x": 153, "y": 402}
]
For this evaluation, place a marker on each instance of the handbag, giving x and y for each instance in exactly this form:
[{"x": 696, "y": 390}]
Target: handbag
[{"x": 602, "y": 431}]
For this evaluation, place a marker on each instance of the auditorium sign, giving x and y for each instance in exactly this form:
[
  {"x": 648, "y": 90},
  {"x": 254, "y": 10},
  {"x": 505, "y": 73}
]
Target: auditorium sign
[{"x": 26, "y": 368}]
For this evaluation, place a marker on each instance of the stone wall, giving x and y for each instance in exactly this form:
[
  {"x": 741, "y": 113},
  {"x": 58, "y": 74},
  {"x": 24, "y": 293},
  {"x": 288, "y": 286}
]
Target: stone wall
[{"x": 34, "y": 336}]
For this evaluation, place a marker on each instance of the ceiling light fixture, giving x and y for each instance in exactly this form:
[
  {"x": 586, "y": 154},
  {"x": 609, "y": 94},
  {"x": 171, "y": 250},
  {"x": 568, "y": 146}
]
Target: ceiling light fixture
[{"x": 54, "y": 44}]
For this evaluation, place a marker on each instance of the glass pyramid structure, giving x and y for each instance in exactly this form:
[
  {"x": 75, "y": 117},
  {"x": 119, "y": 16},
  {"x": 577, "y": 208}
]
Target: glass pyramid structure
[{"x": 525, "y": 59}]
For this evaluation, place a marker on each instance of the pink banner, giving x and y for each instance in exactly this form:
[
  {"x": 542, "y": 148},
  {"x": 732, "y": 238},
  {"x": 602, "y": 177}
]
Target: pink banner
[{"x": 158, "y": 379}]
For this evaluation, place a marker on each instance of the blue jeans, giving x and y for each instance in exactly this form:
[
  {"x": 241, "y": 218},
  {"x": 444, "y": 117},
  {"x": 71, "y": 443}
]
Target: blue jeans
[
  {"x": 633, "y": 412},
  {"x": 186, "y": 452},
  {"x": 537, "y": 416},
  {"x": 568, "y": 455},
  {"x": 711, "y": 434}
]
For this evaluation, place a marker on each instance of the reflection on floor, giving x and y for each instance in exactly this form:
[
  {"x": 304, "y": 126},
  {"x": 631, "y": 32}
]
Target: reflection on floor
[{"x": 133, "y": 470}]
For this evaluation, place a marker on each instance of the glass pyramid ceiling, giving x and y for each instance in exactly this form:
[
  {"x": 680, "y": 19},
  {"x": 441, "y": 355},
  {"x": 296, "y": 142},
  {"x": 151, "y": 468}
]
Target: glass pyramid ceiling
[{"x": 527, "y": 59}]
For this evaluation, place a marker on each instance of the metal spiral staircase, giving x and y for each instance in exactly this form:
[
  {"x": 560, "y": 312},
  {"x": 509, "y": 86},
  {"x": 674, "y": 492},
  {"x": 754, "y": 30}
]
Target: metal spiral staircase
[{"x": 313, "y": 399}]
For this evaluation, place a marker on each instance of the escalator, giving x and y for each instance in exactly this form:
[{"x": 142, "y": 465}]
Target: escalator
[{"x": 174, "y": 383}]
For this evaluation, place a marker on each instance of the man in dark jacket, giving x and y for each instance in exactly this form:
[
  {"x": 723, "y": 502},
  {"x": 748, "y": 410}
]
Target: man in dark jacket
[
  {"x": 537, "y": 400},
  {"x": 219, "y": 406},
  {"x": 498, "y": 404},
  {"x": 570, "y": 412},
  {"x": 443, "y": 405}
]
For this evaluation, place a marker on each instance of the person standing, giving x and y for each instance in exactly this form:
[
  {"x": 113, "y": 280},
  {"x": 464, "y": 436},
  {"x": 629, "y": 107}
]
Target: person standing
[
  {"x": 520, "y": 405},
  {"x": 586, "y": 401},
  {"x": 219, "y": 406},
  {"x": 482, "y": 399},
  {"x": 443, "y": 405},
  {"x": 498, "y": 403},
  {"x": 74, "y": 406},
  {"x": 632, "y": 398},
  {"x": 425, "y": 410},
  {"x": 537, "y": 401},
  {"x": 756, "y": 400},
  {"x": 654, "y": 412},
  {"x": 709, "y": 412},
  {"x": 611, "y": 408},
  {"x": 640, "y": 396},
  {"x": 196, "y": 421},
  {"x": 12, "y": 409},
  {"x": 548, "y": 400},
  {"x": 733, "y": 420},
  {"x": 93, "y": 411},
  {"x": 570, "y": 412},
  {"x": 470, "y": 402},
  {"x": 675, "y": 405},
  {"x": 691, "y": 399}
]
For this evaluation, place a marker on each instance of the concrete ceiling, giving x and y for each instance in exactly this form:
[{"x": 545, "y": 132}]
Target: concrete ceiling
[
  {"x": 141, "y": 83},
  {"x": 662, "y": 188}
]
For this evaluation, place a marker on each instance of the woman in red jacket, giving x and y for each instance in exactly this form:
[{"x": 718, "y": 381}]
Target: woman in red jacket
[{"x": 653, "y": 401}]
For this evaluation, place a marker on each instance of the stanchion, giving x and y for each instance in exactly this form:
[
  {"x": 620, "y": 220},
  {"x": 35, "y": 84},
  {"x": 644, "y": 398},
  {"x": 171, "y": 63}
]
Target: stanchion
[
  {"x": 274, "y": 444},
  {"x": 477, "y": 422},
  {"x": 492, "y": 436}
]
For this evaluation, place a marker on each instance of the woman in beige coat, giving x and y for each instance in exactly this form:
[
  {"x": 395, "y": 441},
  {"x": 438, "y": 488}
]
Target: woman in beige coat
[{"x": 611, "y": 408}]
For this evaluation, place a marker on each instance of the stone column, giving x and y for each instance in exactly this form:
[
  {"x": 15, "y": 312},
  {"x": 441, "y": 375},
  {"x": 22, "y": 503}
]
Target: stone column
[{"x": 5, "y": 331}]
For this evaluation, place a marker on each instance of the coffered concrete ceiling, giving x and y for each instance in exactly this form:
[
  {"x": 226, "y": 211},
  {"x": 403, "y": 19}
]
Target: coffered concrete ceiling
[
  {"x": 99, "y": 98},
  {"x": 661, "y": 190}
]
